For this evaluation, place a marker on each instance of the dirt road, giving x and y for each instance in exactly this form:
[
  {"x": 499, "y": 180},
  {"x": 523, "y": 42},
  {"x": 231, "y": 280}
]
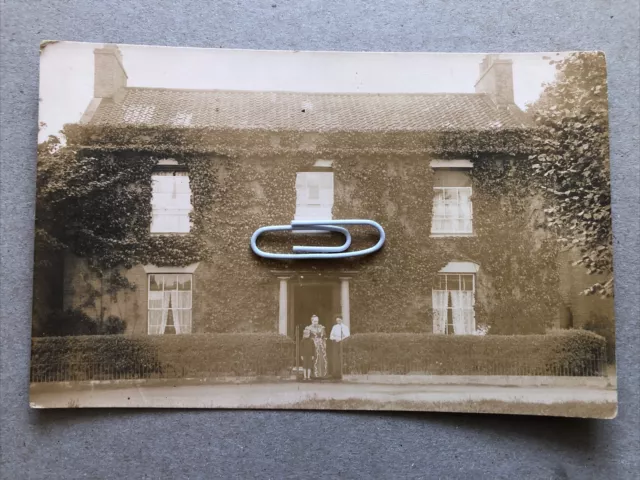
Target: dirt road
[{"x": 271, "y": 395}]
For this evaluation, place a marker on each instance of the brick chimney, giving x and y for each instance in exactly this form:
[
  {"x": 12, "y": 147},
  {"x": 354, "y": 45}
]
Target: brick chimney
[
  {"x": 110, "y": 77},
  {"x": 496, "y": 79}
]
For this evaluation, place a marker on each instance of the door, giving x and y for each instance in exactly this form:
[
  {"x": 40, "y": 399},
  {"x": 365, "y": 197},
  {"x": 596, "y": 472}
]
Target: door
[{"x": 314, "y": 299}]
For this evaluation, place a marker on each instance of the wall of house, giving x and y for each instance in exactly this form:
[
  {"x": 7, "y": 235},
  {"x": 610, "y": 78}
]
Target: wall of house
[
  {"x": 85, "y": 290},
  {"x": 390, "y": 291}
]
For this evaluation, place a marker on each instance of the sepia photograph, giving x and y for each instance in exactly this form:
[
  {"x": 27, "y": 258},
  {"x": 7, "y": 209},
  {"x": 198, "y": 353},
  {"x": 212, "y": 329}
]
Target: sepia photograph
[{"x": 250, "y": 229}]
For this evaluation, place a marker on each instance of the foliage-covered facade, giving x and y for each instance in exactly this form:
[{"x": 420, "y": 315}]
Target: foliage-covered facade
[{"x": 466, "y": 248}]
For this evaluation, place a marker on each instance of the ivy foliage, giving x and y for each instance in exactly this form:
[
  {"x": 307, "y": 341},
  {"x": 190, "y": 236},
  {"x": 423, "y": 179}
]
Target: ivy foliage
[
  {"x": 571, "y": 161},
  {"x": 390, "y": 291},
  {"x": 94, "y": 197},
  {"x": 97, "y": 206},
  {"x": 167, "y": 140}
]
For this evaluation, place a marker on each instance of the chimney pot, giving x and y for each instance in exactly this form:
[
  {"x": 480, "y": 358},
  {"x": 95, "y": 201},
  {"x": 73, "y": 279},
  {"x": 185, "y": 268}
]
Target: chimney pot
[{"x": 496, "y": 80}]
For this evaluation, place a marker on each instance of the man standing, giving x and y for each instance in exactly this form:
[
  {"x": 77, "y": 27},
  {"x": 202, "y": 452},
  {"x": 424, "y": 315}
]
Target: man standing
[{"x": 338, "y": 333}]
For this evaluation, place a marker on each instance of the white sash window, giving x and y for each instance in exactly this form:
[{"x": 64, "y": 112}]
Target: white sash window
[
  {"x": 452, "y": 205},
  {"x": 314, "y": 196},
  {"x": 169, "y": 303},
  {"x": 453, "y": 301},
  {"x": 452, "y": 210},
  {"x": 171, "y": 202}
]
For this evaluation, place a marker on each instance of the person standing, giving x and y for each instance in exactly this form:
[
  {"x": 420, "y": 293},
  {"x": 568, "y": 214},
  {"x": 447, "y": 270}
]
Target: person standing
[
  {"x": 307, "y": 353},
  {"x": 338, "y": 333},
  {"x": 317, "y": 333}
]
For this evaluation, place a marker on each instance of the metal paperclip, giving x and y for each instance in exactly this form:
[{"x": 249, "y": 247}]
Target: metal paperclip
[{"x": 322, "y": 251}]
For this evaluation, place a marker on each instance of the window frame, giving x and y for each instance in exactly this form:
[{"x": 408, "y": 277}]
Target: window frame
[
  {"x": 452, "y": 233},
  {"x": 459, "y": 274},
  {"x": 309, "y": 204},
  {"x": 149, "y": 308},
  {"x": 163, "y": 169},
  {"x": 452, "y": 165}
]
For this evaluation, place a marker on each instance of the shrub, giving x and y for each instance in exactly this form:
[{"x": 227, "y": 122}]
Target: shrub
[
  {"x": 195, "y": 356},
  {"x": 605, "y": 327},
  {"x": 92, "y": 357},
  {"x": 572, "y": 352},
  {"x": 111, "y": 326},
  {"x": 236, "y": 354},
  {"x": 70, "y": 322}
]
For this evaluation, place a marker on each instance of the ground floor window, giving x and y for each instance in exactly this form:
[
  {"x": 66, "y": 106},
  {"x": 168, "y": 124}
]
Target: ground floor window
[
  {"x": 453, "y": 299},
  {"x": 169, "y": 303}
]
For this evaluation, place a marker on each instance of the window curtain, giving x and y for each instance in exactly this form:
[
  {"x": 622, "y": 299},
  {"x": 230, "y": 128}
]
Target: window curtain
[
  {"x": 462, "y": 306},
  {"x": 165, "y": 311},
  {"x": 452, "y": 212},
  {"x": 464, "y": 210},
  {"x": 439, "y": 212},
  {"x": 439, "y": 300},
  {"x": 155, "y": 312},
  {"x": 181, "y": 310}
]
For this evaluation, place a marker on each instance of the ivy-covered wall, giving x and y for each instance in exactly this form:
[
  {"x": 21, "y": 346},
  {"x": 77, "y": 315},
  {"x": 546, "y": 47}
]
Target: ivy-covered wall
[{"x": 235, "y": 193}]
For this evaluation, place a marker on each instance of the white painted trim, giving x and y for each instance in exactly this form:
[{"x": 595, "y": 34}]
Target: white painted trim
[
  {"x": 283, "y": 308},
  {"x": 154, "y": 269},
  {"x": 460, "y": 267},
  {"x": 167, "y": 161},
  {"x": 453, "y": 163},
  {"x": 323, "y": 163},
  {"x": 344, "y": 301},
  {"x": 446, "y": 235}
]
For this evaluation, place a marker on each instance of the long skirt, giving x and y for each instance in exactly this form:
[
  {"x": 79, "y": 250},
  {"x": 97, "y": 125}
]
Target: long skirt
[{"x": 320, "y": 364}]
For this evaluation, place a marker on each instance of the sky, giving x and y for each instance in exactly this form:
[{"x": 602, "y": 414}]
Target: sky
[{"x": 66, "y": 73}]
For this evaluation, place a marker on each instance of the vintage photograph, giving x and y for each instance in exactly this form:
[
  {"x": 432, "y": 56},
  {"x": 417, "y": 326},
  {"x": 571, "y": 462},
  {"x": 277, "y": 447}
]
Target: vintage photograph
[{"x": 323, "y": 230}]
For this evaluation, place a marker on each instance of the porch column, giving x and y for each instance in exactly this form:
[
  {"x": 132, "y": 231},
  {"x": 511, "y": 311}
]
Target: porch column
[
  {"x": 344, "y": 301},
  {"x": 282, "y": 316}
]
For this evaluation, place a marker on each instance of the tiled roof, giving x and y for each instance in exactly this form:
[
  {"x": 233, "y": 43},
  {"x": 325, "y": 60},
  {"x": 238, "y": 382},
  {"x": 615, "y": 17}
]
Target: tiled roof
[{"x": 309, "y": 112}]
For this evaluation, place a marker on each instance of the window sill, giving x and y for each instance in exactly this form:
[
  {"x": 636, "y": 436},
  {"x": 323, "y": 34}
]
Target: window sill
[
  {"x": 446, "y": 235},
  {"x": 173, "y": 234}
]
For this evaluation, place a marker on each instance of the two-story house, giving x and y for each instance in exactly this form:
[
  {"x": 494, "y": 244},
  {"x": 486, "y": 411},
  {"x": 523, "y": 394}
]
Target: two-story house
[{"x": 457, "y": 253}]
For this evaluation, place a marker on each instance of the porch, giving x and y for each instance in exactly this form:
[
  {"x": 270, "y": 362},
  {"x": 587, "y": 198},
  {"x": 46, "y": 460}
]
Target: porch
[{"x": 303, "y": 293}]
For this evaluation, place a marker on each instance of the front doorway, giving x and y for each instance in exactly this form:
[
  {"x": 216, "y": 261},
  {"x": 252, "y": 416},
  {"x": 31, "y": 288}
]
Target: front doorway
[{"x": 321, "y": 298}]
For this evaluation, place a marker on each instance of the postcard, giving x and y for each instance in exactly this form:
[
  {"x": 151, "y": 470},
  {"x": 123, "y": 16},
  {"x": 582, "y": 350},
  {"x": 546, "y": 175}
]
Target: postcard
[{"x": 323, "y": 230}]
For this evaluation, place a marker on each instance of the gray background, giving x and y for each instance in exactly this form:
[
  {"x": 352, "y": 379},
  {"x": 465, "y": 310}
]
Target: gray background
[{"x": 223, "y": 444}]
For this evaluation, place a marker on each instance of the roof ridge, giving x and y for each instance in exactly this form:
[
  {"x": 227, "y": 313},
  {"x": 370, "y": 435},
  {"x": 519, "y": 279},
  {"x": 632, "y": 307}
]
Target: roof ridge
[{"x": 292, "y": 92}]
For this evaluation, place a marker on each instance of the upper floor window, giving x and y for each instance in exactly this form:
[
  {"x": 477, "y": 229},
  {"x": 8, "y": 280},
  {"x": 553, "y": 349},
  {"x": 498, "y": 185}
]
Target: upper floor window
[
  {"x": 171, "y": 200},
  {"x": 314, "y": 195},
  {"x": 452, "y": 205}
]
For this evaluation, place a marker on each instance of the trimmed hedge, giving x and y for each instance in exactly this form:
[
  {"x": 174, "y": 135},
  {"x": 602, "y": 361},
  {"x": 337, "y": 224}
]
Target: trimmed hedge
[
  {"x": 569, "y": 352},
  {"x": 170, "y": 356},
  {"x": 227, "y": 353}
]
